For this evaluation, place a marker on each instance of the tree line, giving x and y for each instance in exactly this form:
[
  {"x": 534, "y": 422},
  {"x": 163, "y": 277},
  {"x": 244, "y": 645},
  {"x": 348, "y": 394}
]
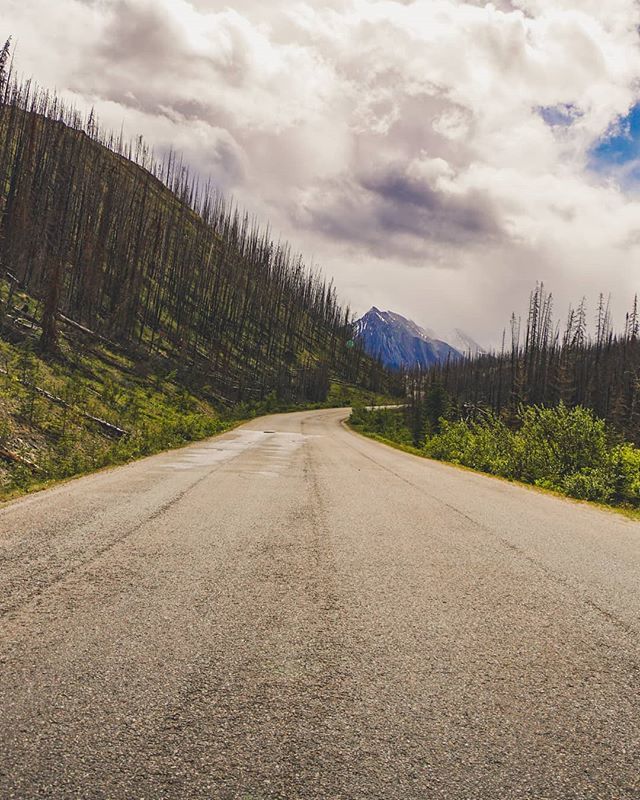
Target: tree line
[
  {"x": 541, "y": 363},
  {"x": 140, "y": 251}
]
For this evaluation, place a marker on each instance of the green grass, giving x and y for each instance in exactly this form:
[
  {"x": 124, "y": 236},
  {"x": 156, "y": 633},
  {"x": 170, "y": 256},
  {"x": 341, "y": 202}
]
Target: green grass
[{"x": 52, "y": 441}]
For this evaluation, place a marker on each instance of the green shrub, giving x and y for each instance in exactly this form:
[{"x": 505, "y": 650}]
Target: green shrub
[
  {"x": 563, "y": 449},
  {"x": 555, "y": 443},
  {"x": 385, "y": 422},
  {"x": 486, "y": 446},
  {"x": 453, "y": 443},
  {"x": 359, "y": 415},
  {"x": 625, "y": 466},
  {"x": 588, "y": 484},
  {"x": 559, "y": 448}
]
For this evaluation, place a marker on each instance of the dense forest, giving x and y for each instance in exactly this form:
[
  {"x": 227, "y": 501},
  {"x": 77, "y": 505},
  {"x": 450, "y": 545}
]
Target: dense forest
[
  {"x": 140, "y": 252},
  {"x": 544, "y": 363}
]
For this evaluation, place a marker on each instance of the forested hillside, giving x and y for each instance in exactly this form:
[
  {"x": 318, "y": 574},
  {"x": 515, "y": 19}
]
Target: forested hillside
[
  {"x": 140, "y": 253},
  {"x": 139, "y": 309}
]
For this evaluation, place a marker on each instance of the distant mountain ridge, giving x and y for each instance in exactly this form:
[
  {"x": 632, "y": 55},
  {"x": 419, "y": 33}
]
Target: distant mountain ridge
[
  {"x": 460, "y": 340},
  {"x": 401, "y": 343}
]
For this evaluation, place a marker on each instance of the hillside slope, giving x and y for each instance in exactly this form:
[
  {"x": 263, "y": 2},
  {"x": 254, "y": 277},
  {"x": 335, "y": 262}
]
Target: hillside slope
[
  {"x": 96, "y": 404},
  {"x": 175, "y": 273},
  {"x": 138, "y": 309}
]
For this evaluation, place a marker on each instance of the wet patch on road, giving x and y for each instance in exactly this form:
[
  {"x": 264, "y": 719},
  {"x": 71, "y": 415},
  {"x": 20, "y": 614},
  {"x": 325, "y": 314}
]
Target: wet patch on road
[{"x": 274, "y": 451}]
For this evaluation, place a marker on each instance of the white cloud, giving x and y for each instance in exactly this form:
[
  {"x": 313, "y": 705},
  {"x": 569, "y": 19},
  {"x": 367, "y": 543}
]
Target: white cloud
[{"x": 399, "y": 144}]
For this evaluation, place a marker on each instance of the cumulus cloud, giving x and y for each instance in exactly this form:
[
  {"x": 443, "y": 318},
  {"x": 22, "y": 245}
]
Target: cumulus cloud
[{"x": 435, "y": 156}]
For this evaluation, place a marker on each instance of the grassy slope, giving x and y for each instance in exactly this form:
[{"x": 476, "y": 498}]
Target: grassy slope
[
  {"x": 631, "y": 513},
  {"x": 52, "y": 442},
  {"x": 61, "y": 442}
]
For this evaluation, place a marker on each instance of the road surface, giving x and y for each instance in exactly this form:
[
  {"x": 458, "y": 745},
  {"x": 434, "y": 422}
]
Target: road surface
[{"x": 293, "y": 611}]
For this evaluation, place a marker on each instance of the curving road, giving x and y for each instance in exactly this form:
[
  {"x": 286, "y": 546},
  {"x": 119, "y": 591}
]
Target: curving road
[{"x": 292, "y": 611}]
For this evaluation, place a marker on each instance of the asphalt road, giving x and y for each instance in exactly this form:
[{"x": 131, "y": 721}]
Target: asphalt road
[{"x": 293, "y": 611}]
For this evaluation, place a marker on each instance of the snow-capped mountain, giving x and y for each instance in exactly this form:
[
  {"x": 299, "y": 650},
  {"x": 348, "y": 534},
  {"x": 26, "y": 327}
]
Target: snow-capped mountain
[{"x": 399, "y": 342}]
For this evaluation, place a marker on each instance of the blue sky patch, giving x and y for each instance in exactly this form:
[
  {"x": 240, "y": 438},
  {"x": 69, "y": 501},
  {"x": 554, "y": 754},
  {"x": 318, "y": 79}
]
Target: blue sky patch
[
  {"x": 561, "y": 115},
  {"x": 621, "y": 143},
  {"x": 617, "y": 153}
]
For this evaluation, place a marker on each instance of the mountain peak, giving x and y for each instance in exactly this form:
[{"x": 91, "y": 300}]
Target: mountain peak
[{"x": 400, "y": 342}]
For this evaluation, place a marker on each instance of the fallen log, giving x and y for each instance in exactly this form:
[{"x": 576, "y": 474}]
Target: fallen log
[
  {"x": 87, "y": 331},
  {"x": 107, "y": 427},
  {"x": 27, "y": 318},
  {"x": 9, "y": 455}
]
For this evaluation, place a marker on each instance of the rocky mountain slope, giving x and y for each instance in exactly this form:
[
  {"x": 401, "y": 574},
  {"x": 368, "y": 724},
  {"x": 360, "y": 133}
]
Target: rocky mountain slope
[{"x": 400, "y": 342}]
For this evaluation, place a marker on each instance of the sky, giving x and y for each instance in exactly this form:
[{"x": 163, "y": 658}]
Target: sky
[{"x": 434, "y": 157}]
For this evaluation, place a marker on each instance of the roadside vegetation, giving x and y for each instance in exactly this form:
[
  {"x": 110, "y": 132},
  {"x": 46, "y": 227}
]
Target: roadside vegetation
[
  {"x": 570, "y": 451},
  {"x": 88, "y": 409},
  {"x": 557, "y": 407}
]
